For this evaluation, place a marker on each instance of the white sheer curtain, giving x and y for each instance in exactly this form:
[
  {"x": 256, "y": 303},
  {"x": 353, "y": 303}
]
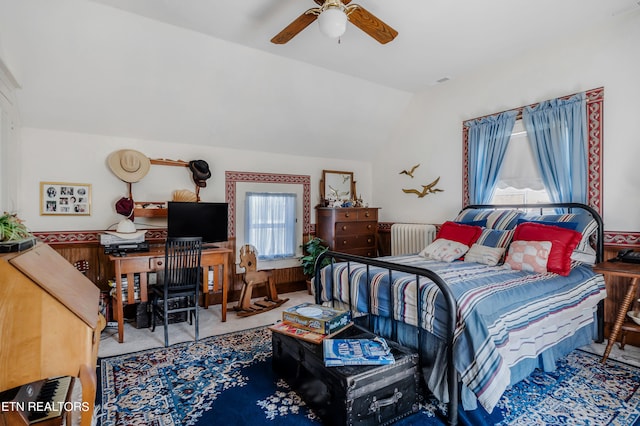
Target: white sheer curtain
[
  {"x": 519, "y": 169},
  {"x": 270, "y": 220}
]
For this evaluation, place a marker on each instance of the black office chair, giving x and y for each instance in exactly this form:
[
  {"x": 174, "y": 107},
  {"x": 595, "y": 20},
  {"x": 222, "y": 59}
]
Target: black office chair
[{"x": 182, "y": 279}]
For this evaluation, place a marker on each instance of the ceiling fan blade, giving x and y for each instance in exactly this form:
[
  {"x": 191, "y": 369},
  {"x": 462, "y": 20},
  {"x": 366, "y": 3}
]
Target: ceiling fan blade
[
  {"x": 367, "y": 22},
  {"x": 299, "y": 24}
]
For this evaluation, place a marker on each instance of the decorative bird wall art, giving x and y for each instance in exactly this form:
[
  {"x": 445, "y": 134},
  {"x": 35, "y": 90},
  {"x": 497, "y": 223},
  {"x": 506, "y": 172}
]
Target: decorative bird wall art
[
  {"x": 426, "y": 189},
  {"x": 409, "y": 172}
]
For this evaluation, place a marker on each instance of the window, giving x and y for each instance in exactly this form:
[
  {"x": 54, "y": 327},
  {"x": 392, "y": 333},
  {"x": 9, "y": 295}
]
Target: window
[
  {"x": 239, "y": 183},
  {"x": 594, "y": 112},
  {"x": 519, "y": 181},
  {"x": 270, "y": 224}
]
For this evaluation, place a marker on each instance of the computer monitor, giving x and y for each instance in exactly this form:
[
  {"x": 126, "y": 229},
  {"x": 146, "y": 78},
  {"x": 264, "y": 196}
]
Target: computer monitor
[{"x": 207, "y": 220}]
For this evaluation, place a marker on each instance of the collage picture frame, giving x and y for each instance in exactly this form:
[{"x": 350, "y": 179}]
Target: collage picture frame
[{"x": 63, "y": 198}]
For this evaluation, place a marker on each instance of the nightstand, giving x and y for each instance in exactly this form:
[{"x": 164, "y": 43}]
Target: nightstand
[{"x": 631, "y": 271}]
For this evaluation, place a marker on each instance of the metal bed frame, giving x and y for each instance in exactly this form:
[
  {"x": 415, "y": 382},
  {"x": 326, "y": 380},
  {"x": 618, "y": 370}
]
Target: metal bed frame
[{"x": 452, "y": 382}]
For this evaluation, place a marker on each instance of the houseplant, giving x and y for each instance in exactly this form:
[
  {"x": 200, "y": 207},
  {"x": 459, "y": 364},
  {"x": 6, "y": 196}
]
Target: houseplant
[
  {"x": 14, "y": 235},
  {"x": 313, "y": 248},
  {"x": 12, "y": 228}
]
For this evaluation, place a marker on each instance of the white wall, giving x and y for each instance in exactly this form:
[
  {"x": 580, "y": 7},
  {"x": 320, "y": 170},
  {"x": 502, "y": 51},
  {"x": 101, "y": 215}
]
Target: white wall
[
  {"x": 89, "y": 68},
  {"x": 9, "y": 124},
  {"x": 56, "y": 156},
  {"x": 431, "y": 131}
]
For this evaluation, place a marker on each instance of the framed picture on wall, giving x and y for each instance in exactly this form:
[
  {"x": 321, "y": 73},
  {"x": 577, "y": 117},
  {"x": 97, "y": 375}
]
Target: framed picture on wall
[{"x": 61, "y": 198}]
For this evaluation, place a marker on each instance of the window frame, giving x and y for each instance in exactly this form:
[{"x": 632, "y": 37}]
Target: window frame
[{"x": 232, "y": 178}]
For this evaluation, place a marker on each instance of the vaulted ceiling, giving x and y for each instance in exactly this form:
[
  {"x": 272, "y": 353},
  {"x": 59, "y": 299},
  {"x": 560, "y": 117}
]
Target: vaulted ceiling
[
  {"x": 205, "y": 71},
  {"x": 437, "y": 38}
]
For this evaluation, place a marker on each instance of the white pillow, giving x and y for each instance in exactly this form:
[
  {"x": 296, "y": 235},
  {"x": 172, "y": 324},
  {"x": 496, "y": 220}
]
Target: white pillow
[
  {"x": 484, "y": 254},
  {"x": 445, "y": 250}
]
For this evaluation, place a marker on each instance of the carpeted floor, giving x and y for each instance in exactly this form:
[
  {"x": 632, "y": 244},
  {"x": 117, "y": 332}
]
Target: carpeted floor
[
  {"x": 138, "y": 339},
  {"x": 228, "y": 380}
]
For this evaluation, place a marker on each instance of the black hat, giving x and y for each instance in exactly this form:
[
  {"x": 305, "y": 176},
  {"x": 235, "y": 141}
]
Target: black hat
[{"x": 201, "y": 172}]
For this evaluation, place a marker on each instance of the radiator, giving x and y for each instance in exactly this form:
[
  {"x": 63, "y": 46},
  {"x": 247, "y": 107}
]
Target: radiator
[{"x": 409, "y": 238}]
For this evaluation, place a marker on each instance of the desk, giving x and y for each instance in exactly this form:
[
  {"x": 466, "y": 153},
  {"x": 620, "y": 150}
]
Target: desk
[
  {"x": 152, "y": 261},
  {"x": 628, "y": 270}
]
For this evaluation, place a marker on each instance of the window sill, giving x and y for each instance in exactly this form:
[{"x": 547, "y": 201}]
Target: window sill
[{"x": 290, "y": 262}]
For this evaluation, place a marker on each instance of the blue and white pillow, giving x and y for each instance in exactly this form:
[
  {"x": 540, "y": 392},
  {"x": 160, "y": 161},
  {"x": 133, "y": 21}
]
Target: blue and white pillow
[
  {"x": 499, "y": 238},
  {"x": 496, "y": 219}
]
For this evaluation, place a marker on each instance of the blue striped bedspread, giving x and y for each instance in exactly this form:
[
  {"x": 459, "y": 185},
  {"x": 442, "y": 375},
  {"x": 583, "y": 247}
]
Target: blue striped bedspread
[{"x": 503, "y": 315}]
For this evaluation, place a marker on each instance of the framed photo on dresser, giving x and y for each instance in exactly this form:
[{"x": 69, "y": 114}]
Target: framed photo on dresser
[{"x": 61, "y": 198}]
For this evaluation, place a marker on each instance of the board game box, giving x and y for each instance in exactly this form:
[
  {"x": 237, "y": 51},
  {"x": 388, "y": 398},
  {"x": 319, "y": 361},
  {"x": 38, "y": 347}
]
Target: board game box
[
  {"x": 301, "y": 333},
  {"x": 317, "y": 318}
]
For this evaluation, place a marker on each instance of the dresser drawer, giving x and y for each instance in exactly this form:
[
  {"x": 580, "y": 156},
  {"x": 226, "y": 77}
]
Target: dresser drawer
[
  {"x": 345, "y": 242},
  {"x": 365, "y": 252},
  {"x": 348, "y": 228},
  {"x": 346, "y": 215},
  {"x": 368, "y": 214},
  {"x": 355, "y": 241}
]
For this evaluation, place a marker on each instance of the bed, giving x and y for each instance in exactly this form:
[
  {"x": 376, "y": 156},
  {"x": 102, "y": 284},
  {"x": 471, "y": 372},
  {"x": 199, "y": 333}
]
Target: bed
[{"x": 521, "y": 295}]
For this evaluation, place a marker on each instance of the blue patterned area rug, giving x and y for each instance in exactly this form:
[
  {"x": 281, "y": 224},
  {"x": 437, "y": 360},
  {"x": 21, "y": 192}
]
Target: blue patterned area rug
[{"x": 228, "y": 380}]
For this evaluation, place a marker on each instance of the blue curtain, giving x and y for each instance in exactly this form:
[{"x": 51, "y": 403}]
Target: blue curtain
[
  {"x": 557, "y": 133},
  {"x": 270, "y": 220},
  {"x": 487, "y": 141}
]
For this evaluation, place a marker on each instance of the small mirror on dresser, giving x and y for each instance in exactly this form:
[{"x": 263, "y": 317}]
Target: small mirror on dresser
[{"x": 337, "y": 186}]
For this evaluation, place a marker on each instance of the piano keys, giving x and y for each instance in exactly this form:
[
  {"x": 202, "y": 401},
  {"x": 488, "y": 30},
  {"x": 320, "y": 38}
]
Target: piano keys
[{"x": 43, "y": 403}]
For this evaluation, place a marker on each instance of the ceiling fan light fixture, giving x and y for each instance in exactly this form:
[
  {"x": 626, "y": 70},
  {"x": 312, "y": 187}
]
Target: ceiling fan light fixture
[{"x": 332, "y": 22}]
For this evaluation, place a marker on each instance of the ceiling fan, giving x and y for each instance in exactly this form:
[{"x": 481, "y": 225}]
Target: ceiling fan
[{"x": 332, "y": 16}]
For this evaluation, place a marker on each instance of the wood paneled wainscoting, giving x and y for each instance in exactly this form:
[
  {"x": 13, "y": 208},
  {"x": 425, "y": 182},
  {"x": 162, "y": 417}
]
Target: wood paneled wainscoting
[
  {"x": 85, "y": 246},
  {"x": 616, "y": 291},
  {"x": 384, "y": 238}
]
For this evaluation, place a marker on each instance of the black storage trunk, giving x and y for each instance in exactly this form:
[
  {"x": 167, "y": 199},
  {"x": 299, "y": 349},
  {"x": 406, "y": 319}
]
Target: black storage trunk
[{"x": 350, "y": 395}]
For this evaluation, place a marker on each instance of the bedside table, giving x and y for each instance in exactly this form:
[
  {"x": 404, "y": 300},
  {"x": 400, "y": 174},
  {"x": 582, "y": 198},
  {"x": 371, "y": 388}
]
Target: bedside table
[{"x": 628, "y": 270}]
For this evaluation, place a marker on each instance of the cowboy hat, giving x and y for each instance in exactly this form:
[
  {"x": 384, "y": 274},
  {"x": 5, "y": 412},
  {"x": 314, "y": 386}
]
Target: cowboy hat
[
  {"x": 126, "y": 229},
  {"x": 201, "y": 172},
  {"x": 129, "y": 165},
  {"x": 184, "y": 195}
]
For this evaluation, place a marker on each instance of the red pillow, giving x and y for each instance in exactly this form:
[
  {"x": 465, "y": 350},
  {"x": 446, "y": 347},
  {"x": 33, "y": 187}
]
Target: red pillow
[
  {"x": 465, "y": 234},
  {"x": 563, "y": 241}
]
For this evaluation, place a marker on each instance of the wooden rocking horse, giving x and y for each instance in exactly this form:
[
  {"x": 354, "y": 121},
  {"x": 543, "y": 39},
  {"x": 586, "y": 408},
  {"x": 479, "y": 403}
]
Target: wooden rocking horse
[{"x": 251, "y": 279}]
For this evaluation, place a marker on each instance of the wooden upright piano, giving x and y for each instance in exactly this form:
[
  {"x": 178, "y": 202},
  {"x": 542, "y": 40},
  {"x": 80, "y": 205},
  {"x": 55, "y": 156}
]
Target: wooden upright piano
[{"x": 49, "y": 322}]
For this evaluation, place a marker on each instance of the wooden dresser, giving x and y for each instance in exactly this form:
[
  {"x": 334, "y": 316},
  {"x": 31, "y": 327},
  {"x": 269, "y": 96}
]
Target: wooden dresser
[{"x": 352, "y": 230}]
